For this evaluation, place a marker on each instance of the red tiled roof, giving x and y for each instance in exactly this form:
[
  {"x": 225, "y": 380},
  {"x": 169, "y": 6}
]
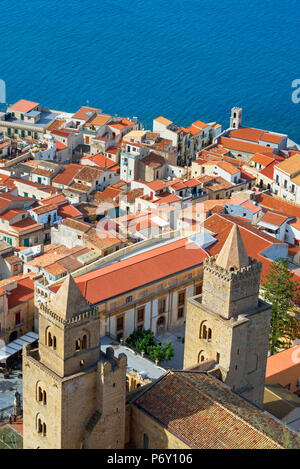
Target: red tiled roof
[
  {"x": 271, "y": 138},
  {"x": 23, "y": 292},
  {"x": 26, "y": 224},
  {"x": 54, "y": 199},
  {"x": 100, "y": 160},
  {"x": 108, "y": 193},
  {"x": 295, "y": 223},
  {"x": 167, "y": 198},
  {"x": 129, "y": 274},
  {"x": 229, "y": 168},
  {"x": 238, "y": 145},
  {"x": 11, "y": 213},
  {"x": 67, "y": 175},
  {"x": 278, "y": 205},
  {"x": 268, "y": 171},
  {"x": 273, "y": 218},
  {"x": 264, "y": 160},
  {"x": 84, "y": 113},
  {"x": 60, "y": 146},
  {"x": 255, "y": 135},
  {"x": 68, "y": 211},
  {"x": 204, "y": 413},
  {"x": 24, "y": 106},
  {"x": 61, "y": 133}
]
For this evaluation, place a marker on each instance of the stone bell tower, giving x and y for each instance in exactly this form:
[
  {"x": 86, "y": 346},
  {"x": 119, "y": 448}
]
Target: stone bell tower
[
  {"x": 228, "y": 323},
  {"x": 73, "y": 395},
  {"x": 236, "y": 118}
]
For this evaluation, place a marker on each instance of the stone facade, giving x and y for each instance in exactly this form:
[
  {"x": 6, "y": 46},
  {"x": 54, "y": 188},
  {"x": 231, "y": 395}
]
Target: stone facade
[
  {"x": 229, "y": 324},
  {"x": 158, "y": 437},
  {"x": 73, "y": 395}
]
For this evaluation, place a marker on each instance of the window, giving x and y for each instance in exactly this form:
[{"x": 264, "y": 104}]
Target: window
[
  {"x": 141, "y": 314},
  {"x": 129, "y": 299},
  {"x": 78, "y": 345},
  {"x": 218, "y": 358},
  {"x": 162, "y": 306},
  {"x": 54, "y": 342},
  {"x": 49, "y": 339},
  {"x": 181, "y": 298},
  {"x": 209, "y": 334},
  {"x": 84, "y": 342},
  {"x": 40, "y": 426},
  {"x": 180, "y": 312},
  {"x": 40, "y": 394},
  {"x": 120, "y": 323},
  {"x": 285, "y": 184},
  {"x": 18, "y": 318},
  {"x": 198, "y": 289}
]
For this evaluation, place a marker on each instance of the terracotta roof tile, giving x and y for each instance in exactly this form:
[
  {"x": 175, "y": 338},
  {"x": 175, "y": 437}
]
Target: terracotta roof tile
[
  {"x": 204, "y": 413},
  {"x": 67, "y": 175},
  {"x": 278, "y": 205},
  {"x": 238, "y": 145},
  {"x": 139, "y": 270},
  {"x": 24, "y": 106},
  {"x": 23, "y": 292}
]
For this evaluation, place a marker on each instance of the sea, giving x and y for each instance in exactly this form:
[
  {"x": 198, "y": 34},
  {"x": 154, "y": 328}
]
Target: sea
[{"x": 185, "y": 60}]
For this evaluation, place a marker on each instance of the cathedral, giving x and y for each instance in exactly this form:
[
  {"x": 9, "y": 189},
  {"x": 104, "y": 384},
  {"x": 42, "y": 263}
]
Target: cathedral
[{"x": 74, "y": 395}]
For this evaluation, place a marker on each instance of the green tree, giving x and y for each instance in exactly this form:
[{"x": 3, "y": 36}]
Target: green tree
[
  {"x": 141, "y": 339},
  {"x": 144, "y": 340},
  {"x": 161, "y": 352},
  {"x": 281, "y": 290}
]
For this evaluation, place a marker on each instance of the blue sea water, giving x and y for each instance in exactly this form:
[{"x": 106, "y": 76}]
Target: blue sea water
[{"x": 185, "y": 60}]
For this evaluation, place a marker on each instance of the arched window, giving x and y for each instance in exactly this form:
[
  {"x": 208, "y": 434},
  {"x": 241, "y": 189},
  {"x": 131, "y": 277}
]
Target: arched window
[
  {"x": 201, "y": 356},
  {"x": 39, "y": 426},
  {"x": 54, "y": 342},
  {"x": 84, "y": 342},
  {"x": 44, "y": 429},
  {"x": 40, "y": 394},
  {"x": 77, "y": 345},
  {"x": 146, "y": 441},
  {"x": 209, "y": 334},
  {"x": 44, "y": 397},
  {"x": 49, "y": 339},
  {"x": 204, "y": 332}
]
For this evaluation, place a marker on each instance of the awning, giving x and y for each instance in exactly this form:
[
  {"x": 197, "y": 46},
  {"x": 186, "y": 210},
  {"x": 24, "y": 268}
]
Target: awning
[{"x": 17, "y": 345}]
